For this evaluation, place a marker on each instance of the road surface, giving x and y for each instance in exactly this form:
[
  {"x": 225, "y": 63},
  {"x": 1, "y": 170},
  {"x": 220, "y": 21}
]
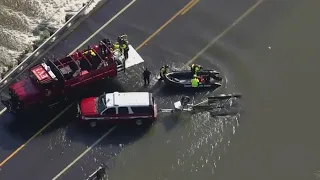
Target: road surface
[{"x": 275, "y": 137}]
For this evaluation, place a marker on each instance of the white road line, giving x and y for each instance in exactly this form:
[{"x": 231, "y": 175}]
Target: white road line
[
  {"x": 106, "y": 24},
  {"x": 217, "y": 38},
  {"x": 3, "y": 110},
  {"x": 84, "y": 153},
  {"x": 70, "y": 105},
  {"x": 107, "y": 133},
  {"x": 95, "y": 33}
]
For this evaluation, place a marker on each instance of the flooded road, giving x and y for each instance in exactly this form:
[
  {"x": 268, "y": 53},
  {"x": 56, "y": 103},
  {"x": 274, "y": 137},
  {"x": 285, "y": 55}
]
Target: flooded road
[
  {"x": 272, "y": 58},
  {"x": 267, "y": 50},
  {"x": 278, "y": 135}
]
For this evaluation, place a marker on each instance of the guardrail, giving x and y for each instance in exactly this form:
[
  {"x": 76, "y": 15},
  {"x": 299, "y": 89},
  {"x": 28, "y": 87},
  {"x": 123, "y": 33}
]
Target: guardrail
[{"x": 31, "y": 59}]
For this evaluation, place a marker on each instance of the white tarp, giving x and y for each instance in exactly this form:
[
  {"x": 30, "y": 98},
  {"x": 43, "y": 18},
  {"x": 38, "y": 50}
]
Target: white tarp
[{"x": 133, "y": 58}]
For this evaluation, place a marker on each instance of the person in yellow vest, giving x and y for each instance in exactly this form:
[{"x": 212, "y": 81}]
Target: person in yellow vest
[
  {"x": 108, "y": 43},
  {"x": 195, "y": 68},
  {"x": 163, "y": 71},
  {"x": 124, "y": 45},
  {"x": 92, "y": 53},
  {"x": 124, "y": 38},
  {"x": 195, "y": 81},
  {"x": 116, "y": 46},
  {"x": 125, "y": 49}
]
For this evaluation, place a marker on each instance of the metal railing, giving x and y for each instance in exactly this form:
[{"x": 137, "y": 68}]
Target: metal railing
[{"x": 49, "y": 43}]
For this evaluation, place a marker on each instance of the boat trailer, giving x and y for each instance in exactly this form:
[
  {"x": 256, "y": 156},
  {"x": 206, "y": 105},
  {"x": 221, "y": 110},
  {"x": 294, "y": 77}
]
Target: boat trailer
[{"x": 213, "y": 104}]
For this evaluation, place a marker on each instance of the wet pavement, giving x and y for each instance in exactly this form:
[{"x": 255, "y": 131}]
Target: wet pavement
[{"x": 269, "y": 56}]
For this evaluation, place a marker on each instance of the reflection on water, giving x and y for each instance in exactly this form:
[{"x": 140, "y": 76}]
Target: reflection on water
[
  {"x": 206, "y": 142},
  {"x": 179, "y": 146}
]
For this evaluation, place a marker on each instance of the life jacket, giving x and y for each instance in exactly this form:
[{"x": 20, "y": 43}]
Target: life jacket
[
  {"x": 194, "y": 82},
  {"x": 163, "y": 70}
]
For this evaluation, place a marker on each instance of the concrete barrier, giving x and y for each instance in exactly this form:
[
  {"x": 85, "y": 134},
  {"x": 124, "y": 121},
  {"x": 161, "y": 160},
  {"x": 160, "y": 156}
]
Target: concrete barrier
[{"x": 49, "y": 43}]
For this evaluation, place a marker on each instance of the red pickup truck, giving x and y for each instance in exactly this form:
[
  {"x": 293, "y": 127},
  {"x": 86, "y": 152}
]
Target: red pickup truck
[{"x": 49, "y": 81}]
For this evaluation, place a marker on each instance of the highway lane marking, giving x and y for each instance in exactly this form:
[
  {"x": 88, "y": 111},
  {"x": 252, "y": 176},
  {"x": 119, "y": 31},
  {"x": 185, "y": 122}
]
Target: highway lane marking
[
  {"x": 84, "y": 153},
  {"x": 106, "y": 24},
  {"x": 240, "y": 18},
  {"x": 189, "y": 7},
  {"x": 35, "y": 135},
  {"x": 3, "y": 110},
  {"x": 165, "y": 25},
  {"x": 184, "y": 9},
  {"x": 68, "y": 107},
  {"x": 95, "y": 33},
  {"x": 113, "y": 128},
  {"x": 213, "y": 41},
  {"x": 143, "y": 43}
]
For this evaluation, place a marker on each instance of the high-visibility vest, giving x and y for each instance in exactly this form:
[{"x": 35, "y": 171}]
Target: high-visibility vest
[
  {"x": 116, "y": 46},
  {"x": 163, "y": 70},
  {"x": 124, "y": 46},
  {"x": 92, "y": 53},
  {"x": 196, "y": 69},
  {"x": 194, "y": 82}
]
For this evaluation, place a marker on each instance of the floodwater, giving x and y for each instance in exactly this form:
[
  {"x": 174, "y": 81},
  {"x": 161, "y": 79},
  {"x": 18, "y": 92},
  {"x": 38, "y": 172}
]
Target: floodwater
[
  {"x": 271, "y": 57},
  {"x": 278, "y": 134}
]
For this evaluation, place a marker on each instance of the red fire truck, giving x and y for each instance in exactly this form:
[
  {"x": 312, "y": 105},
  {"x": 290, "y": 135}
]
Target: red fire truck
[{"x": 49, "y": 81}]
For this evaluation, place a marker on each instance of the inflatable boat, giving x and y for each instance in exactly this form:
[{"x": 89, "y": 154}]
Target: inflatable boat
[{"x": 182, "y": 79}]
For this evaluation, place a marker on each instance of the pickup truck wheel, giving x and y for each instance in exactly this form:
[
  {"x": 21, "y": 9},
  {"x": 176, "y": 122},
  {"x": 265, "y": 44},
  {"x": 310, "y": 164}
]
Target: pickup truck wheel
[
  {"x": 139, "y": 122},
  {"x": 93, "y": 124}
]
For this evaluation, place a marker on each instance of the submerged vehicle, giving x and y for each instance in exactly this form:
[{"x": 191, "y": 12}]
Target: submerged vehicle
[
  {"x": 182, "y": 79},
  {"x": 52, "y": 81},
  {"x": 219, "y": 105}
]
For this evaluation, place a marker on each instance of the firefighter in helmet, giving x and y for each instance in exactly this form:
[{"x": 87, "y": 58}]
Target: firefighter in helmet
[
  {"x": 195, "y": 68},
  {"x": 163, "y": 71},
  {"x": 124, "y": 45}
]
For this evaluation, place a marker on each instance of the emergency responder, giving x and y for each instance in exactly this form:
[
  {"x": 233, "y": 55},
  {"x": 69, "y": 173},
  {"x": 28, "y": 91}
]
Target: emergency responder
[
  {"x": 194, "y": 81},
  {"x": 124, "y": 38},
  {"x": 163, "y": 71},
  {"x": 108, "y": 43},
  {"x": 124, "y": 45},
  {"x": 195, "y": 68},
  {"x": 146, "y": 77},
  {"x": 92, "y": 53},
  {"x": 124, "y": 49},
  {"x": 103, "y": 48},
  {"x": 116, "y": 46}
]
